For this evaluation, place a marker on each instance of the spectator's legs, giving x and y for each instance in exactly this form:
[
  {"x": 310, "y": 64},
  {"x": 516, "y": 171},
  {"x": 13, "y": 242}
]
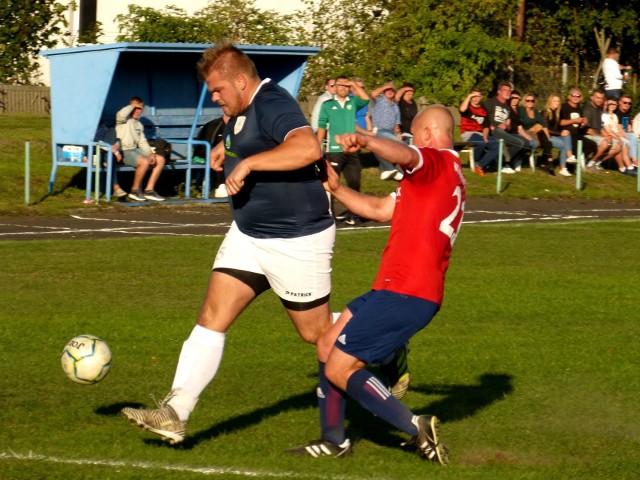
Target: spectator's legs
[
  {"x": 479, "y": 146},
  {"x": 545, "y": 143},
  {"x": 613, "y": 93},
  {"x": 568, "y": 146},
  {"x": 352, "y": 170},
  {"x": 514, "y": 143},
  {"x": 386, "y": 168},
  {"x": 484, "y": 153},
  {"x": 633, "y": 147},
  {"x": 156, "y": 170},
  {"x": 142, "y": 166},
  {"x": 560, "y": 143}
]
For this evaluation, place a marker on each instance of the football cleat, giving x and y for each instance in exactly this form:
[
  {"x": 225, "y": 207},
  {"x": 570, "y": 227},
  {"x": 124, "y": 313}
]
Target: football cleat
[
  {"x": 321, "y": 448},
  {"x": 427, "y": 441},
  {"x": 400, "y": 388},
  {"x": 162, "y": 421},
  {"x": 396, "y": 372}
]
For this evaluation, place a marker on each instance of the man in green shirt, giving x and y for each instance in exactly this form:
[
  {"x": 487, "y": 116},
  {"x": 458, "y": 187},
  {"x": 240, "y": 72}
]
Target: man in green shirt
[{"x": 337, "y": 117}]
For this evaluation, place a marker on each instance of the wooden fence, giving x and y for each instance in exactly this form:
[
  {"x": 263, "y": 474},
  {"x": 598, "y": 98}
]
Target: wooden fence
[{"x": 25, "y": 99}]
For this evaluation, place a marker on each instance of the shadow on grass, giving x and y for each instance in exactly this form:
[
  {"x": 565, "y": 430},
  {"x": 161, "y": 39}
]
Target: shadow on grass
[
  {"x": 463, "y": 401},
  {"x": 246, "y": 420},
  {"x": 114, "y": 410},
  {"x": 504, "y": 187},
  {"x": 458, "y": 402}
]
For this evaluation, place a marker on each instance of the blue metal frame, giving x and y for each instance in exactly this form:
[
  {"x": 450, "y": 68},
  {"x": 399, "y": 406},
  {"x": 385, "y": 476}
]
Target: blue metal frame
[{"x": 90, "y": 83}]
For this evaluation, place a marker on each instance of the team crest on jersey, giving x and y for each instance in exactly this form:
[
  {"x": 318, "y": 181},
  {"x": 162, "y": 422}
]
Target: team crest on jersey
[{"x": 237, "y": 128}]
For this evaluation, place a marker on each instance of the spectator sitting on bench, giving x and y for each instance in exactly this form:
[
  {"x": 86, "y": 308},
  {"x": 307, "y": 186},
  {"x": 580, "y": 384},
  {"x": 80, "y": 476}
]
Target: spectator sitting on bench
[
  {"x": 137, "y": 153},
  {"x": 474, "y": 129}
]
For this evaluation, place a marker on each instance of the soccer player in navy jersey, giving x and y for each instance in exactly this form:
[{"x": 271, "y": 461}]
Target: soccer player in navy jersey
[
  {"x": 282, "y": 233},
  {"x": 426, "y": 212}
]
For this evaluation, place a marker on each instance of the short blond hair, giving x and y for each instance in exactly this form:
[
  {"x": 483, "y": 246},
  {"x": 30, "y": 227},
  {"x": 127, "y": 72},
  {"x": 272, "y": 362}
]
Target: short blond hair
[{"x": 227, "y": 59}]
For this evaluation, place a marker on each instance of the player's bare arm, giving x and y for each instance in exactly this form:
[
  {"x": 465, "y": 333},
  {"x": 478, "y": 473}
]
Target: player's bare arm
[
  {"x": 395, "y": 152},
  {"x": 367, "y": 206},
  {"x": 299, "y": 149}
]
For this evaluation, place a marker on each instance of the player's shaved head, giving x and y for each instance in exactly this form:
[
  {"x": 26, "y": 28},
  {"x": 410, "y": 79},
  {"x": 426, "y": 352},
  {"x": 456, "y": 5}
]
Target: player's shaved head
[{"x": 433, "y": 127}]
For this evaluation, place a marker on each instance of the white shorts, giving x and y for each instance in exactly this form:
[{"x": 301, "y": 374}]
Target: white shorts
[{"x": 297, "y": 269}]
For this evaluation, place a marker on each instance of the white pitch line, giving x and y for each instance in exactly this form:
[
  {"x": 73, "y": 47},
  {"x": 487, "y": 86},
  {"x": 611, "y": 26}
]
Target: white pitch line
[
  {"x": 108, "y": 230},
  {"x": 208, "y": 471},
  {"x": 530, "y": 219},
  {"x": 152, "y": 222}
]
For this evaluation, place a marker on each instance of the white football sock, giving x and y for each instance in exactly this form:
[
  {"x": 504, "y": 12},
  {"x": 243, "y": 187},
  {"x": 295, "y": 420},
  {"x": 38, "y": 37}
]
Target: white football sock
[{"x": 198, "y": 363}]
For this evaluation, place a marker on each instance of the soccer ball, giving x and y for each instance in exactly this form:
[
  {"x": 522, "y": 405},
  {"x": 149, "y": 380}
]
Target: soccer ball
[{"x": 86, "y": 359}]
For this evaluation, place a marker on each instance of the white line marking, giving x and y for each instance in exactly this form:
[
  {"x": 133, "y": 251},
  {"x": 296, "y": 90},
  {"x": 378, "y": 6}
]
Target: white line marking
[
  {"x": 210, "y": 471},
  {"x": 152, "y": 222}
]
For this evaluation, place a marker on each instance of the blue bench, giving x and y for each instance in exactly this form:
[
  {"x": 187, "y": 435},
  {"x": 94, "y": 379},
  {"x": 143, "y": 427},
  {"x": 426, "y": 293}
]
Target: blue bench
[
  {"x": 89, "y": 84},
  {"x": 180, "y": 131}
]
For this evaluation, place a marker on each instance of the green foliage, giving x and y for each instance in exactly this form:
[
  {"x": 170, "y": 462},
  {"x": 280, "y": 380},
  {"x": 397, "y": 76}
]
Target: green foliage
[
  {"x": 236, "y": 20},
  {"x": 444, "y": 48},
  {"x": 26, "y": 27}
]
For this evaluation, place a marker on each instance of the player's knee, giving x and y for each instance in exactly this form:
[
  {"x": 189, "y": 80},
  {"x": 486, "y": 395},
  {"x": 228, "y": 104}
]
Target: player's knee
[
  {"x": 324, "y": 346},
  {"x": 335, "y": 374},
  {"x": 310, "y": 336}
]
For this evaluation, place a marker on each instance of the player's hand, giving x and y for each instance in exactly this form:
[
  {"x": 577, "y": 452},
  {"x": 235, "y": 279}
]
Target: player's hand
[
  {"x": 351, "y": 142},
  {"x": 235, "y": 180},
  {"x": 216, "y": 157},
  {"x": 332, "y": 180}
]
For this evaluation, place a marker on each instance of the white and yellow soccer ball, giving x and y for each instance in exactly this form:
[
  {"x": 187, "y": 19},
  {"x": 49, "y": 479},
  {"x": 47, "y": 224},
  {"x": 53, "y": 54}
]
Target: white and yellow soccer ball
[{"x": 86, "y": 359}]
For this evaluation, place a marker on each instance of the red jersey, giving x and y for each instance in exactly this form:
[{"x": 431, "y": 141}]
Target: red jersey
[
  {"x": 474, "y": 119},
  {"x": 426, "y": 220}
]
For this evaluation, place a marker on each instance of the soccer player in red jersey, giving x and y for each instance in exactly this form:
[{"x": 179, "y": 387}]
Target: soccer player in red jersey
[{"x": 426, "y": 212}]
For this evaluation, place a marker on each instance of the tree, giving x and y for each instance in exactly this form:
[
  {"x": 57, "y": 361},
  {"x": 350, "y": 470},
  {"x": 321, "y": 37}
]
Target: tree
[
  {"x": 563, "y": 32},
  {"x": 444, "y": 48},
  {"x": 26, "y": 27},
  {"x": 236, "y": 20}
]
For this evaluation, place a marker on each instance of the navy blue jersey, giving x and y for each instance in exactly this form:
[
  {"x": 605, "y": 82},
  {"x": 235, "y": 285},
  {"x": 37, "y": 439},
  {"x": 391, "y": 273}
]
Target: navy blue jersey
[{"x": 273, "y": 204}]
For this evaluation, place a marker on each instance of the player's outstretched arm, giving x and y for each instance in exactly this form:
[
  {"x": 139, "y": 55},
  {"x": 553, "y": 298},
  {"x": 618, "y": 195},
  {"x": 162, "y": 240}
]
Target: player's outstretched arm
[
  {"x": 392, "y": 151},
  {"x": 366, "y": 206}
]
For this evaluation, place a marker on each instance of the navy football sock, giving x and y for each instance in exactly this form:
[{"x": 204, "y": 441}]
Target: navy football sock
[
  {"x": 373, "y": 395},
  {"x": 331, "y": 402}
]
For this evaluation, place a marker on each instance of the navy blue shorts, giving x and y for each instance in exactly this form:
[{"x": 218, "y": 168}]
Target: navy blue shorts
[{"x": 383, "y": 321}]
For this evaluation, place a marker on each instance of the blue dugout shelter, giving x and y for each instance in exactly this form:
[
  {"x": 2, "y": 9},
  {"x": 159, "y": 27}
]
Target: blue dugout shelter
[{"x": 90, "y": 84}]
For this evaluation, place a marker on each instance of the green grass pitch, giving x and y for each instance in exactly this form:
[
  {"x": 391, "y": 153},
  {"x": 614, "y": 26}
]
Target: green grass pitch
[{"x": 532, "y": 364}]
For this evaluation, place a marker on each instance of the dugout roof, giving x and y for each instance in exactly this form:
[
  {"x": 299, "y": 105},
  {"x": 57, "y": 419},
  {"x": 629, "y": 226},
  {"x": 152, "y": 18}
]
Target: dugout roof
[{"x": 91, "y": 83}]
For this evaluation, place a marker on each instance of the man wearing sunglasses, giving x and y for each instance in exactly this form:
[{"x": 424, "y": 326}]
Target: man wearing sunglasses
[
  {"x": 624, "y": 118},
  {"x": 576, "y": 123}
]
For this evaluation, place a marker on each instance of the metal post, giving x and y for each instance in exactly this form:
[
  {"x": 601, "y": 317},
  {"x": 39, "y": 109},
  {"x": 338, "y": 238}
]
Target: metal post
[
  {"x": 500, "y": 153},
  {"x": 27, "y": 172},
  {"x": 96, "y": 157},
  {"x": 579, "y": 167}
]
